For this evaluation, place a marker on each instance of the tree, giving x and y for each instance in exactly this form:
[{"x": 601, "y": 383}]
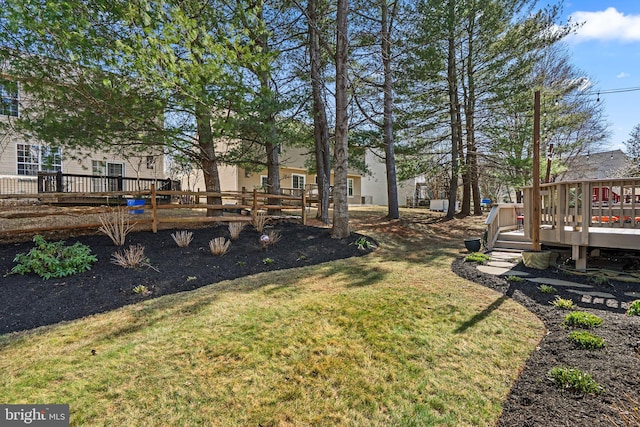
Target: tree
[
  {"x": 340, "y": 227},
  {"x": 133, "y": 74}
]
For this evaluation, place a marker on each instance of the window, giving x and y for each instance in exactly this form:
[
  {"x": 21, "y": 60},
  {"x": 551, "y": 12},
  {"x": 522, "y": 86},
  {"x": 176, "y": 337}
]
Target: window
[
  {"x": 32, "y": 159},
  {"x": 350, "y": 187},
  {"x": 8, "y": 98},
  {"x": 297, "y": 181},
  {"x": 103, "y": 169},
  {"x": 151, "y": 162},
  {"x": 263, "y": 182}
]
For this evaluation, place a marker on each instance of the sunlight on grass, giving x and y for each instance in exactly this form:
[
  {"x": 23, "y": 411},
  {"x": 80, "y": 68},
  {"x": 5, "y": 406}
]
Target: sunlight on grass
[{"x": 366, "y": 341}]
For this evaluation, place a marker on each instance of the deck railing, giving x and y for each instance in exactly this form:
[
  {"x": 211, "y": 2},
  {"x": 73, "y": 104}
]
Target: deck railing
[{"x": 502, "y": 217}]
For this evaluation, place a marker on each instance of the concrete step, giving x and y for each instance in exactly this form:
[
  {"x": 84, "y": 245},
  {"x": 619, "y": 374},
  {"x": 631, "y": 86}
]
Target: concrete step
[
  {"x": 512, "y": 244},
  {"x": 512, "y": 237}
]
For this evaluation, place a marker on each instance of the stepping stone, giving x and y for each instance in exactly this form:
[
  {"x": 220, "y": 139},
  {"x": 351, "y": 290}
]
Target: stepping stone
[
  {"x": 501, "y": 264},
  {"x": 595, "y": 295},
  {"x": 633, "y": 294},
  {"x": 557, "y": 282},
  {"x": 500, "y": 271}
]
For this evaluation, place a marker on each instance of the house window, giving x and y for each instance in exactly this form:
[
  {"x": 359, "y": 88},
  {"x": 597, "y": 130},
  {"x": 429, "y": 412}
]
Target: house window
[
  {"x": 151, "y": 162},
  {"x": 8, "y": 98},
  {"x": 350, "y": 187},
  {"x": 33, "y": 159},
  {"x": 297, "y": 181},
  {"x": 263, "y": 182}
]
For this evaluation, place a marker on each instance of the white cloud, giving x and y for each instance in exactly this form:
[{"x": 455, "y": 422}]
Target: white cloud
[
  {"x": 606, "y": 25},
  {"x": 622, "y": 75}
]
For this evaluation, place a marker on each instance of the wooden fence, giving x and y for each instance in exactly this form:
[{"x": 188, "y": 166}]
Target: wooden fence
[{"x": 148, "y": 214}]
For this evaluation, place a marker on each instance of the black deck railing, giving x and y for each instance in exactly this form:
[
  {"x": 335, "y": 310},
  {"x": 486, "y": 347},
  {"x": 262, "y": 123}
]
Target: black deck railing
[{"x": 58, "y": 182}]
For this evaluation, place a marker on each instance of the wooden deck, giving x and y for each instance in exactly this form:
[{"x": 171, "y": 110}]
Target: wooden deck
[{"x": 582, "y": 215}]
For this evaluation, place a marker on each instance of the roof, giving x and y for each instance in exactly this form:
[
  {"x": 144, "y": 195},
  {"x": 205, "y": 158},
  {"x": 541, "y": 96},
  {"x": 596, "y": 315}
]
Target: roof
[{"x": 593, "y": 165}]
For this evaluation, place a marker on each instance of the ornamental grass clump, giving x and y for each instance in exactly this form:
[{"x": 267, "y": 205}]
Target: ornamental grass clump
[
  {"x": 219, "y": 246},
  {"x": 53, "y": 259},
  {"x": 182, "y": 238},
  {"x": 235, "y": 228},
  {"x": 133, "y": 257},
  {"x": 574, "y": 380},
  {"x": 586, "y": 340},
  {"x": 581, "y": 319},
  {"x": 259, "y": 221}
]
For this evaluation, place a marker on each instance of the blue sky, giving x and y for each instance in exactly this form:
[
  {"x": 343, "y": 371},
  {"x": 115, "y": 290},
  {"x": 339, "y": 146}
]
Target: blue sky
[{"x": 607, "y": 49}]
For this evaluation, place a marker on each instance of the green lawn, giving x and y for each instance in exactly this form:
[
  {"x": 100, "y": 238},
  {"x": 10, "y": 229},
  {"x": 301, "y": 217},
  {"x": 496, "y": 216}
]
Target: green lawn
[{"x": 393, "y": 338}]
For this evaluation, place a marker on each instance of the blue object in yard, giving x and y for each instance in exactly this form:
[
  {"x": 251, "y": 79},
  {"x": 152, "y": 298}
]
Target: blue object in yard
[
  {"x": 486, "y": 201},
  {"x": 136, "y": 202}
]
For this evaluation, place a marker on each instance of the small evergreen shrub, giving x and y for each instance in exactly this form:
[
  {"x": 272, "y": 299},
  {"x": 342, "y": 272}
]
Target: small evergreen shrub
[
  {"x": 634, "y": 308},
  {"x": 599, "y": 280},
  {"x": 580, "y": 319},
  {"x": 477, "y": 257},
  {"x": 574, "y": 380},
  {"x": 267, "y": 261},
  {"x": 563, "y": 303},
  {"x": 547, "y": 289},
  {"x": 514, "y": 279},
  {"x": 53, "y": 259},
  {"x": 586, "y": 340}
]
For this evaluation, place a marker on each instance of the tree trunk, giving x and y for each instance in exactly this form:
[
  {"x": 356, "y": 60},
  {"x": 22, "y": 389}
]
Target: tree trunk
[
  {"x": 390, "y": 162},
  {"x": 208, "y": 160},
  {"x": 320, "y": 125},
  {"x": 340, "y": 228},
  {"x": 454, "y": 113}
]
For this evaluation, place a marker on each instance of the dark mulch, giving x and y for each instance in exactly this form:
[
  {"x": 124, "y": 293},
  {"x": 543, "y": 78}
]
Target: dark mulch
[
  {"x": 534, "y": 400},
  {"x": 29, "y": 301}
]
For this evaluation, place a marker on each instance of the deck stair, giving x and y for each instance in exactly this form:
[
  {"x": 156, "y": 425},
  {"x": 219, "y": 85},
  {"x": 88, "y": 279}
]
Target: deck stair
[{"x": 512, "y": 241}]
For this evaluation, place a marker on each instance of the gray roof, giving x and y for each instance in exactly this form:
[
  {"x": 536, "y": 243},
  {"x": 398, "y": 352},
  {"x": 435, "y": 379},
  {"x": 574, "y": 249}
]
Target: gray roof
[{"x": 593, "y": 166}]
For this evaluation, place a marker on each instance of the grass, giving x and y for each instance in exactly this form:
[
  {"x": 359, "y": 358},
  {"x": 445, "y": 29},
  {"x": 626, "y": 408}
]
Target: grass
[{"x": 392, "y": 338}]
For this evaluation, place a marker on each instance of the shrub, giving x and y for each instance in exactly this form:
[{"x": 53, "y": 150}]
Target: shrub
[
  {"x": 235, "y": 228},
  {"x": 130, "y": 258},
  {"x": 141, "y": 289},
  {"x": 580, "y": 319},
  {"x": 182, "y": 238},
  {"x": 115, "y": 224},
  {"x": 259, "y": 221},
  {"x": 574, "y": 380},
  {"x": 634, "y": 308},
  {"x": 362, "y": 243},
  {"x": 219, "y": 246},
  {"x": 599, "y": 280},
  {"x": 586, "y": 340},
  {"x": 267, "y": 261},
  {"x": 563, "y": 303},
  {"x": 53, "y": 259},
  {"x": 514, "y": 279},
  {"x": 547, "y": 289},
  {"x": 477, "y": 257}
]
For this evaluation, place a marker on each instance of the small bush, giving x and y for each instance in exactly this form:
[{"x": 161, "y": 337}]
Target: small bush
[
  {"x": 182, "y": 238},
  {"x": 362, "y": 244},
  {"x": 574, "y": 380},
  {"x": 477, "y": 257},
  {"x": 53, "y": 259},
  {"x": 219, "y": 246},
  {"x": 634, "y": 308},
  {"x": 586, "y": 340},
  {"x": 133, "y": 257},
  {"x": 563, "y": 303},
  {"x": 115, "y": 224},
  {"x": 547, "y": 289},
  {"x": 235, "y": 228},
  {"x": 267, "y": 261},
  {"x": 598, "y": 280},
  {"x": 141, "y": 289},
  {"x": 514, "y": 279},
  {"x": 580, "y": 319}
]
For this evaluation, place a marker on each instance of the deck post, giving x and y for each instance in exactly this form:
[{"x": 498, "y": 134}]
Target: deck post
[
  {"x": 304, "y": 208},
  {"x": 579, "y": 255}
]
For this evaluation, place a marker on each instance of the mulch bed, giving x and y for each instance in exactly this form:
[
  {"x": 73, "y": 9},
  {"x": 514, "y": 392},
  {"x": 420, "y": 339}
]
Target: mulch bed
[
  {"x": 29, "y": 301},
  {"x": 536, "y": 401}
]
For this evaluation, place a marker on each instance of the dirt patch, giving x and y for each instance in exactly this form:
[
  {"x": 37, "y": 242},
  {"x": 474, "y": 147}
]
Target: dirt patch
[
  {"x": 29, "y": 301},
  {"x": 536, "y": 401}
]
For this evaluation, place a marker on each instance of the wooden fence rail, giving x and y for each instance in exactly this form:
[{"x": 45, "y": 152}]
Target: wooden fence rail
[{"x": 149, "y": 214}]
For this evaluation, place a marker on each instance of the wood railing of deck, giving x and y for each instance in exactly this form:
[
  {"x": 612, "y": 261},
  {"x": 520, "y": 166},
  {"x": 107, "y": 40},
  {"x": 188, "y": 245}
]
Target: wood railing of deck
[
  {"x": 595, "y": 213},
  {"x": 502, "y": 217}
]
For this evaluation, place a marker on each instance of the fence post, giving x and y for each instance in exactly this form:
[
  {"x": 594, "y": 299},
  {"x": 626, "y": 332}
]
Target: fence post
[
  {"x": 154, "y": 210},
  {"x": 40, "y": 183},
  {"x": 254, "y": 210},
  {"x": 304, "y": 208}
]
